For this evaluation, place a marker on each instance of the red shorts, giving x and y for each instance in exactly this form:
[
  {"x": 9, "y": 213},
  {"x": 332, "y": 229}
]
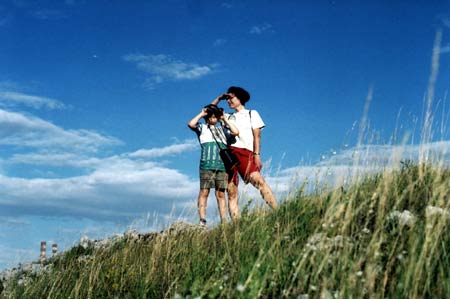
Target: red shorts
[{"x": 246, "y": 165}]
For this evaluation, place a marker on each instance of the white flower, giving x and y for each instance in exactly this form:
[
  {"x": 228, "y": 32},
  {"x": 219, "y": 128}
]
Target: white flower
[
  {"x": 435, "y": 211},
  {"x": 240, "y": 287},
  {"x": 405, "y": 218},
  {"x": 366, "y": 230},
  {"x": 326, "y": 295},
  {"x": 84, "y": 242}
]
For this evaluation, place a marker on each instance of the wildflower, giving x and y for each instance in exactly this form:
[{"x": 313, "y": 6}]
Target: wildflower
[
  {"x": 432, "y": 211},
  {"x": 132, "y": 234},
  {"x": 84, "y": 242},
  {"x": 405, "y": 218},
  {"x": 359, "y": 273},
  {"x": 313, "y": 288},
  {"x": 316, "y": 238},
  {"x": 240, "y": 287},
  {"x": 326, "y": 294},
  {"x": 338, "y": 241},
  {"x": 366, "y": 231}
]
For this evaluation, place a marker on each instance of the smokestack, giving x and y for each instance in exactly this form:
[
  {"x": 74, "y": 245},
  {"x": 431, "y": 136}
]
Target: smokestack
[
  {"x": 43, "y": 251},
  {"x": 54, "y": 249}
]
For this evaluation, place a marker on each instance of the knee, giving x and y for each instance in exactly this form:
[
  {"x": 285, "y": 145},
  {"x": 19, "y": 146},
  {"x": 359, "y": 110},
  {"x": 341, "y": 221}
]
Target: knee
[
  {"x": 203, "y": 193},
  {"x": 220, "y": 195},
  {"x": 257, "y": 180}
]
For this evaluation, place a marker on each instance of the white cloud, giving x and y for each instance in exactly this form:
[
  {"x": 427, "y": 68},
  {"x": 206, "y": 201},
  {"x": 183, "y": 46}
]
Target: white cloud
[
  {"x": 28, "y": 131},
  {"x": 353, "y": 164},
  {"x": 12, "y": 98},
  {"x": 67, "y": 159},
  {"x": 109, "y": 183},
  {"x": 261, "y": 29},
  {"x": 174, "y": 149},
  {"x": 117, "y": 188},
  {"x": 162, "y": 68},
  {"x": 56, "y": 159}
]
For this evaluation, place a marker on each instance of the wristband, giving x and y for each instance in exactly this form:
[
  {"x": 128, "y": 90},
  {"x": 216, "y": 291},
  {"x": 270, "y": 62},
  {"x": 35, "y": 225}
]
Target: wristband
[{"x": 256, "y": 154}]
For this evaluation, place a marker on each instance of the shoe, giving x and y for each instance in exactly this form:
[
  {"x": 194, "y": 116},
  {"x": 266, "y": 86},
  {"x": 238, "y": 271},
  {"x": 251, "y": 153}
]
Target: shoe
[{"x": 202, "y": 222}]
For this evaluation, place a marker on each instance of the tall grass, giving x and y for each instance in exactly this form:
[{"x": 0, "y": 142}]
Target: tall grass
[{"x": 385, "y": 237}]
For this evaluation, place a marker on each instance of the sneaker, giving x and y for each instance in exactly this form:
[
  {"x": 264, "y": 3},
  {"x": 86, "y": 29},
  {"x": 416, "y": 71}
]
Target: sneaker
[{"x": 202, "y": 222}]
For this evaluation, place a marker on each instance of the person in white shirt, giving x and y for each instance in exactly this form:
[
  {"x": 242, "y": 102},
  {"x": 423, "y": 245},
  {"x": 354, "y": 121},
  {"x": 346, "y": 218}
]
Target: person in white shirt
[{"x": 247, "y": 147}]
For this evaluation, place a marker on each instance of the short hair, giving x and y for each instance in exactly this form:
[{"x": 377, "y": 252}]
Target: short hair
[
  {"x": 211, "y": 110},
  {"x": 240, "y": 93}
]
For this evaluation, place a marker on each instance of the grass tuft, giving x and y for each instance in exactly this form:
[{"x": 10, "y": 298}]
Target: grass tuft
[{"x": 386, "y": 236}]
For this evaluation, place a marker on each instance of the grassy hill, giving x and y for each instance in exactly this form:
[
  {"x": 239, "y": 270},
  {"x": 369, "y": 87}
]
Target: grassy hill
[{"x": 386, "y": 236}]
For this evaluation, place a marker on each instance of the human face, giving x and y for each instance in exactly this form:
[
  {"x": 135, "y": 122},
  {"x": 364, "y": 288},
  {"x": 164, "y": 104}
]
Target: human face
[
  {"x": 233, "y": 101},
  {"x": 212, "y": 120}
]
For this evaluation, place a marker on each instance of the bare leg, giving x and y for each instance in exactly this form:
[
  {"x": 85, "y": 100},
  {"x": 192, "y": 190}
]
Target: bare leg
[
  {"x": 258, "y": 181},
  {"x": 201, "y": 204},
  {"x": 233, "y": 206},
  {"x": 222, "y": 205}
]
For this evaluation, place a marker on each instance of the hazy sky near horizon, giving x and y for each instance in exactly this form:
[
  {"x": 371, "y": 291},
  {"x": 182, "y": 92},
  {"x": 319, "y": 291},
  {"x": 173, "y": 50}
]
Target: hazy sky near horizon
[{"x": 95, "y": 97}]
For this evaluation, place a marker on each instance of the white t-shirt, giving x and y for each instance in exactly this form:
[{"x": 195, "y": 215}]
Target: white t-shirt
[
  {"x": 210, "y": 158},
  {"x": 245, "y": 124}
]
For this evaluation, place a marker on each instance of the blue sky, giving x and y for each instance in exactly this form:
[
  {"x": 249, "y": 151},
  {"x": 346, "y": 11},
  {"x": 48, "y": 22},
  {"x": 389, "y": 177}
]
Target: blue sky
[{"x": 95, "y": 97}]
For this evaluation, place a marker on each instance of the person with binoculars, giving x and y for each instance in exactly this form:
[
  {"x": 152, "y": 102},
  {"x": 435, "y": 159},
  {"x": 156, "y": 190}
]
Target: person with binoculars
[
  {"x": 246, "y": 146},
  {"x": 212, "y": 137}
]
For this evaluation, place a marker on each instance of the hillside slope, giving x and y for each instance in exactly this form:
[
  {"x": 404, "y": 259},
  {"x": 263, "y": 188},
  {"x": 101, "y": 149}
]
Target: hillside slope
[{"x": 387, "y": 236}]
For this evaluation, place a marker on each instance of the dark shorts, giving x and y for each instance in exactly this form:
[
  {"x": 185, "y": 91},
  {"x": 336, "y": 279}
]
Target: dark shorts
[
  {"x": 246, "y": 166},
  {"x": 217, "y": 179}
]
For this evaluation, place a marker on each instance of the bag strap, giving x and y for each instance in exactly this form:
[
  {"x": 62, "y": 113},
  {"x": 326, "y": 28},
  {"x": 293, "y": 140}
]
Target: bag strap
[{"x": 214, "y": 136}]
